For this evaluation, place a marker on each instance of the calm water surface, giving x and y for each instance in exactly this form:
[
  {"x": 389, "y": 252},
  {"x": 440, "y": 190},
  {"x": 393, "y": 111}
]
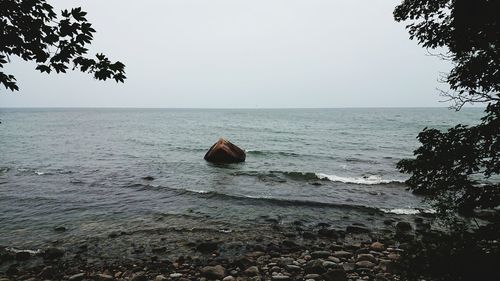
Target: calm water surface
[{"x": 85, "y": 168}]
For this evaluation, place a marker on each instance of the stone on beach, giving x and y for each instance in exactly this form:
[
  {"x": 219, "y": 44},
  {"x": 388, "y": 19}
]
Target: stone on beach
[
  {"x": 367, "y": 257},
  {"x": 320, "y": 254},
  {"x": 335, "y": 275},
  {"x": 213, "y": 272},
  {"x": 377, "y": 246},
  {"x": 364, "y": 264},
  {"x": 342, "y": 254},
  {"x": 315, "y": 266},
  {"x": 77, "y": 277},
  {"x": 251, "y": 271},
  {"x": 104, "y": 277},
  {"x": 225, "y": 152}
]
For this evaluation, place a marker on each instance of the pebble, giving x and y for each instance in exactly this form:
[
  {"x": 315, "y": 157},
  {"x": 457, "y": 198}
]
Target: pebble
[
  {"x": 335, "y": 275},
  {"x": 139, "y": 276},
  {"x": 312, "y": 276},
  {"x": 348, "y": 266},
  {"x": 77, "y": 277},
  {"x": 293, "y": 268},
  {"x": 286, "y": 261},
  {"x": 104, "y": 277},
  {"x": 175, "y": 275},
  {"x": 393, "y": 256},
  {"x": 342, "y": 254},
  {"x": 213, "y": 272},
  {"x": 334, "y": 259},
  {"x": 367, "y": 257},
  {"x": 275, "y": 269},
  {"x": 320, "y": 254},
  {"x": 365, "y": 264},
  {"x": 251, "y": 271},
  {"x": 329, "y": 264},
  {"x": 228, "y": 278},
  {"x": 280, "y": 277},
  {"x": 160, "y": 278},
  {"x": 377, "y": 246},
  {"x": 315, "y": 266}
]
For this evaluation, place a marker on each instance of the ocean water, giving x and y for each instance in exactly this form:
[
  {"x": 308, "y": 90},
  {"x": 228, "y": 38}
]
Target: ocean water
[{"x": 85, "y": 169}]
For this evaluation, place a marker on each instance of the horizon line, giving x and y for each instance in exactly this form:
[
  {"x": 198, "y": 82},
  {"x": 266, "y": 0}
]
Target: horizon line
[{"x": 133, "y": 107}]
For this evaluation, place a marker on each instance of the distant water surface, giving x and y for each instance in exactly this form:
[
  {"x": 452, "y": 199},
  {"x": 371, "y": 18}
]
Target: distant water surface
[{"x": 85, "y": 168}]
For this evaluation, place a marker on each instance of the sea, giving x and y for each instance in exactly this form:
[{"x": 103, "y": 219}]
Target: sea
[{"x": 94, "y": 171}]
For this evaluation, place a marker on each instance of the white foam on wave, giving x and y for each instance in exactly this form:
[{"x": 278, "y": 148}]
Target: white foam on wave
[
  {"x": 373, "y": 179},
  {"x": 408, "y": 211},
  {"x": 198, "y": 191},
  {"x": 39, "y": 173},
  {"x": 14, "y": 250},
  {"x": 401, "y": 211}
]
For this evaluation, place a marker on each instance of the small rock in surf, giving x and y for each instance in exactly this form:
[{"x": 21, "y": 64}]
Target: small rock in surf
[{"x": 225, "y": 152}]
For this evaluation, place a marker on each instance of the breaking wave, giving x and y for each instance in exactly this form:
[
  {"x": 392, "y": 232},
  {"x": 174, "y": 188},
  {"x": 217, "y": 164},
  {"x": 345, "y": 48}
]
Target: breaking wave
[
  {"x": 310, "y": 176},
  {"x": 367, "y": 180},
  {"x": 408, "y": 211}
]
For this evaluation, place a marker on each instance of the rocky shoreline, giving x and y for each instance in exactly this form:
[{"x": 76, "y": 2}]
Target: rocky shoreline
[{"x": 290, "y": 252}]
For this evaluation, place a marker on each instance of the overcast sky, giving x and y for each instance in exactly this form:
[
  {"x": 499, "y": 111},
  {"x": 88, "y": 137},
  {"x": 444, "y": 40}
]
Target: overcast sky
[{"x": 250, "y": 54}]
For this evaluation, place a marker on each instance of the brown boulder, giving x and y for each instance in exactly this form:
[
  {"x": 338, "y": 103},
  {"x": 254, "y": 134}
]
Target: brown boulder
[{"x": 225, "y": 152}]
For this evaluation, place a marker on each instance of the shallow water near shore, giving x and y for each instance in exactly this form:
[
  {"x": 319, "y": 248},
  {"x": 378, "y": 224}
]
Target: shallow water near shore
[{"x": 87, "y": 169}]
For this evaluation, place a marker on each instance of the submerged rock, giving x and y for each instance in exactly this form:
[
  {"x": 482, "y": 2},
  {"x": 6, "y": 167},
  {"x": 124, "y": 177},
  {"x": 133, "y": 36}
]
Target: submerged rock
[
  {"x": 53, "y": 253},
  {"x": 355, "y": 229},
  {"x": 60, "y": 229},
  {"x": 403, "y": 226},
  {"x": 207, "y": 246},
  {"x": 225, "y": 152},
  {"x": 23, "y": 256}
]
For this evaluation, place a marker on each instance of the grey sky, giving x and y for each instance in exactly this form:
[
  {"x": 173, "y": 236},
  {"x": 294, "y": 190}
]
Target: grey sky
[{"x": 234, "y": 53}]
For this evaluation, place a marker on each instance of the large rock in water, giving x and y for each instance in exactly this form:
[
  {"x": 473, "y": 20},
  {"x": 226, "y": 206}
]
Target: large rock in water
[{"x": 224, "y": 151}]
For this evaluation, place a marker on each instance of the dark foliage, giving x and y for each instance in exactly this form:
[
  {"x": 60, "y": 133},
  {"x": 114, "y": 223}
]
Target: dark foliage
[
  {"x": 470, "y": 31},
  {"x": 467, "y": 256},
  {"x": 31, "y": 30},
  {"x": 459, "y": 169}
]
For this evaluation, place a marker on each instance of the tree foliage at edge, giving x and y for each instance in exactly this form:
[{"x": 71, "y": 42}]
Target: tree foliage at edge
[{"x": 31, "y": 30}]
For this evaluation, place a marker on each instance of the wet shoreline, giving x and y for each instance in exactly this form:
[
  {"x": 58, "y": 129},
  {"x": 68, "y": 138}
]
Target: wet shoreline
[{"x": 155, "y": 252}]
